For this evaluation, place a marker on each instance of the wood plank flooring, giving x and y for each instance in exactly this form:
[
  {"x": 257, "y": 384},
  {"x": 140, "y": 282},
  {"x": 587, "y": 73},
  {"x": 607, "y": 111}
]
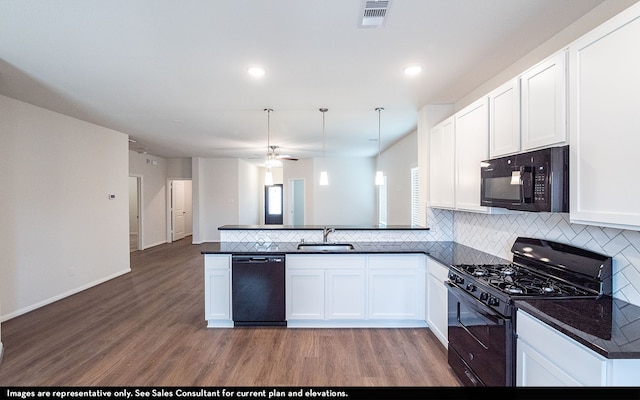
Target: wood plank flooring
[{"x": 147, "y": 328}]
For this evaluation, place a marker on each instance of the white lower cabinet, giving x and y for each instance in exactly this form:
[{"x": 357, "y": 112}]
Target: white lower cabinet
[
  {"x": 217, "y": 290},
  {"x": 345, "y": 294},
  {"x": 304, "y": 293},
  {"x": 437, "y": 300},
  {"x": 547, "y": 357},
  {"x": 396, "y": 287},
  {"x": 355, "y": 290}
]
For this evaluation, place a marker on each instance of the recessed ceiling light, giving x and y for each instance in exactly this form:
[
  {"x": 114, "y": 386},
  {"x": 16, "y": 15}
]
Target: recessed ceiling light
[
  {"x": 256, "y": 71},
  {"x": 412, "y": 70}
]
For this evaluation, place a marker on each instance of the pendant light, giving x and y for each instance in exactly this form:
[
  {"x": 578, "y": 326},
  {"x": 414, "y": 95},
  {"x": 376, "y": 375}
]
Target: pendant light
[
  {"x": 379, "y": 175},
  {"x": 268, "y": 177},
  {"x": 324, "y": 179}
]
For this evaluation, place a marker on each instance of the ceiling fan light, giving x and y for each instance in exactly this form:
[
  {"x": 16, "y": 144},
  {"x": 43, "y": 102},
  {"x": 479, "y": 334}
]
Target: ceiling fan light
[{"x": 324, "y": 179}]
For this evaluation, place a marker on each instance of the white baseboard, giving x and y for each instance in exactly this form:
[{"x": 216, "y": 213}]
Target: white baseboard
[
  {"x": 144, "y": 247},
  {"x": 62, "y": 296}
]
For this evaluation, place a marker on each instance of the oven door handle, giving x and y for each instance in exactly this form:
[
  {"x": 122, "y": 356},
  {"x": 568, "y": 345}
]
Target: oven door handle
[{"x": 477, "y": 307}]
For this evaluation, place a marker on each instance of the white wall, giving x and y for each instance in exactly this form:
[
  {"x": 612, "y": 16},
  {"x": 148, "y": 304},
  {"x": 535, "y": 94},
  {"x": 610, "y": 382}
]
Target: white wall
[
  {"x": 396, "y": 162},
  {"x": 219, "y": 198},
  {"x": 60, "y": 232},
  {"x": 249, "y": 193},
  {"x": 133, "y": 204},
  {"x": 350, "y": 197},
  {"x": 153, "y": 171},
  {"x": 179, "y": 168}
]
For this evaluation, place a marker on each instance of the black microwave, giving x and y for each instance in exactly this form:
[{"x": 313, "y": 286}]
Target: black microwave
[{"x": 533, "y": 181}]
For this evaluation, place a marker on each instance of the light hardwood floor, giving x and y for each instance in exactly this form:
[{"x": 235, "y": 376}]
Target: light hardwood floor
[{"x": 147, "y": 328}]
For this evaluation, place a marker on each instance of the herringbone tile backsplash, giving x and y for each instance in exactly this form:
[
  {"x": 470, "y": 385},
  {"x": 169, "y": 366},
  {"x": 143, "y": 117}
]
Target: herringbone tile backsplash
[{"x": 495, "y": 234}]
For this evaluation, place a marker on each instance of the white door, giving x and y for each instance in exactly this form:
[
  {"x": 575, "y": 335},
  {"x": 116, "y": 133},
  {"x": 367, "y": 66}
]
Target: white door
[{"x": 177, "y": 201}]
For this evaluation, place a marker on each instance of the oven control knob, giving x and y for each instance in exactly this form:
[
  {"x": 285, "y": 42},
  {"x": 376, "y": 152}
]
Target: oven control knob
[
  {"x": 493, "y": 301},
  {"x": 484, "y": 296},
  {"x": 471, "y": 287}
]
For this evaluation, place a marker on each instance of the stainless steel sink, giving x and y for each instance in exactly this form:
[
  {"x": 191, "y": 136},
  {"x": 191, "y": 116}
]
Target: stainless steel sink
[{"x": 325, "y": 246}]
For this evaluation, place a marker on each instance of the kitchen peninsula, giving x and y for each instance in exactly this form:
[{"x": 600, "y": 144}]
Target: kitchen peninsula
[{"x": 392, "y": 277}]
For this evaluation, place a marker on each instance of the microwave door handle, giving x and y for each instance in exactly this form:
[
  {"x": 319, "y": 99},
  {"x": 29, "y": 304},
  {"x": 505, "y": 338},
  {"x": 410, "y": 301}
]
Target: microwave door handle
[{"x": 526, "y": 178}]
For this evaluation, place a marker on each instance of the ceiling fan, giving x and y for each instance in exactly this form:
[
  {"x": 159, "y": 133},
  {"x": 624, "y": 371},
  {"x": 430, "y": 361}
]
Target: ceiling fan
[{"x": 274, "y": 159}]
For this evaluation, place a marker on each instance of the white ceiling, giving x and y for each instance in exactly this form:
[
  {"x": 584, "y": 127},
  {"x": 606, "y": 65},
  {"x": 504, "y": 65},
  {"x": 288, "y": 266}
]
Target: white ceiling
[{"x": 172, "y": 73}]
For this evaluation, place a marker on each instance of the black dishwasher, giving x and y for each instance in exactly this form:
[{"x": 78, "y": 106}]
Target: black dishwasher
[{"x": 257, "y": 290}]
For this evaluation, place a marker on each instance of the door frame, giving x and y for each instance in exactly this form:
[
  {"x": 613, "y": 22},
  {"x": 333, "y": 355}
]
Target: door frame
[
  {"x": 139, "y": 186},
  {"x": 169, "y": 214}
]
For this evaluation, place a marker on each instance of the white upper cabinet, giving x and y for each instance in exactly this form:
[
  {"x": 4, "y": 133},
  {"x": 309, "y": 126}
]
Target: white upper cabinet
[
  {"x": 472, "y": 147},
  {"x": 442, "y": 164},
  {"x": 604, "y": 123},
  {"x": 504, "y": 119},
  {"x": 544, "y": 100}
]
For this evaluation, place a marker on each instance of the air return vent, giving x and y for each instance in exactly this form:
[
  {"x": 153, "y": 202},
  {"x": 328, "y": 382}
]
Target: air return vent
[{"x": 374, "y": 13}]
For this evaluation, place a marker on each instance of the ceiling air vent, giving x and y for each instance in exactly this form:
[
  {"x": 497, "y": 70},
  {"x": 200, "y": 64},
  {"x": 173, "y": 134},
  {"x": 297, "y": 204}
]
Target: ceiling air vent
[{"x": 374, "y": 13}]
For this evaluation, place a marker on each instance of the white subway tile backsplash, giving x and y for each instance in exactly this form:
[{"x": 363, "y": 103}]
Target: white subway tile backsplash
[{"x": 495, "y": 234}]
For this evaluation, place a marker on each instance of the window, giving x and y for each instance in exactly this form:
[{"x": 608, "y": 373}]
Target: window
[
  {"x": 415, "y": 205},
  {"x": 273, "y": 204}
]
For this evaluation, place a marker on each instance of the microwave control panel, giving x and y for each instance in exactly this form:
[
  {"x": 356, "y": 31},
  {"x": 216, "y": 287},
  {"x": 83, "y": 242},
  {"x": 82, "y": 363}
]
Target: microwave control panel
[{"x": 540, "y": 185}]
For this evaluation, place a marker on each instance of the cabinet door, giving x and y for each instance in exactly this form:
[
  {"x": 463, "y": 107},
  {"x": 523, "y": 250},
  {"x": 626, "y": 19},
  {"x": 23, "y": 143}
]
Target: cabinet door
[
  {"x": 217, "y": 288},
  {"x": 504, "y": 119},
  {"x": 305, "y": 293},
  {"x": 442, "y": 165},
  {"x": 544, "y": 102},
  {"x": 604, "y": 124},
  {"x": 393, "y": 294},
  {"x": 396, "y": 287},
  {"x": 472, "y": 147},
  {"x": 437, "y": 296},
  {"x": 345, "y": 295}
]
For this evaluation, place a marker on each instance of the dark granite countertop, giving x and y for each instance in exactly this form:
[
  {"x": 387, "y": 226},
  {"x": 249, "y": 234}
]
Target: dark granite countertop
[
  {"x": 608, "y": 326},
  {"x": 446, "y": 253},
  {"x": 320, "y": 227}
]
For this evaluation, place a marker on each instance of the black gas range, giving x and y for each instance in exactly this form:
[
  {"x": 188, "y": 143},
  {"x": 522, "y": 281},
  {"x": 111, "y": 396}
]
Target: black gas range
[{"x": 481, "y": 311}]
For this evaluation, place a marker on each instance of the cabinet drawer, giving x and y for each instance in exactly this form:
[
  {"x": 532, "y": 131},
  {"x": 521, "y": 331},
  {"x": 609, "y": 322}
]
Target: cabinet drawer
[
  {"x": 393, "y": 261},
  {"x": 326, "y": 261},
  {"x": 578, "y": 362},
  {"x": 437, "y": 270},
  {"x": 217, "y": 261}
]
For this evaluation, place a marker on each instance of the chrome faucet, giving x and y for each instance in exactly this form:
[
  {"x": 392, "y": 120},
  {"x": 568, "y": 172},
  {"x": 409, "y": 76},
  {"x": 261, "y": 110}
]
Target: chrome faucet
[{"x": 325, "y": 233}]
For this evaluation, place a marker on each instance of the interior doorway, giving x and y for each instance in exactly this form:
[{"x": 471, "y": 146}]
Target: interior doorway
[
  {"x": 135, "y": 209},
  {"x": 180, "y": 209}
]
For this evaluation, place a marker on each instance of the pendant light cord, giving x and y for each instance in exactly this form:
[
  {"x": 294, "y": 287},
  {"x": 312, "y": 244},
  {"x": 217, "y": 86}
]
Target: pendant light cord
[
  {"x": 323, "y": 111},
  {"x": 379, "y": 109},
  {"x": 268, "y": 110}
]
